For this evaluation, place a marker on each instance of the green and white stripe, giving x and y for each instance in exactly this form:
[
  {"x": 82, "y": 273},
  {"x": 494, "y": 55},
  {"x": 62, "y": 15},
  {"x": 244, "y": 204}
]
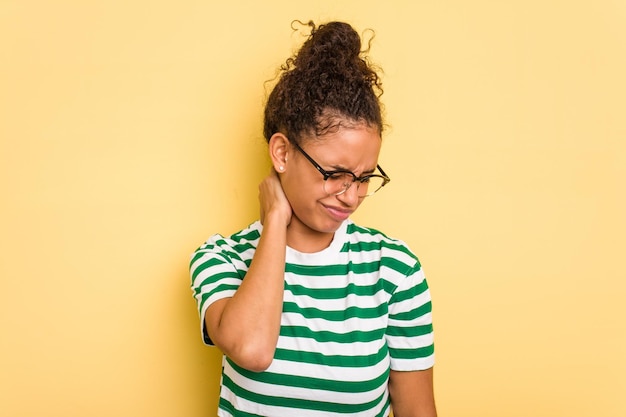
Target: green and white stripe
[{"x": 350, "y": 314}]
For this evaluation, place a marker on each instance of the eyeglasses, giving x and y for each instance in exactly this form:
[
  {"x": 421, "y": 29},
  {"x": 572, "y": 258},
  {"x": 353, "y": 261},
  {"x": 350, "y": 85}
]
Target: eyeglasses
[{"x": 339, "y": 181}]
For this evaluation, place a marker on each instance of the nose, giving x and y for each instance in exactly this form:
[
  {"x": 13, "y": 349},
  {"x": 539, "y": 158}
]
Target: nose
[{"x": 350, "y": 197}]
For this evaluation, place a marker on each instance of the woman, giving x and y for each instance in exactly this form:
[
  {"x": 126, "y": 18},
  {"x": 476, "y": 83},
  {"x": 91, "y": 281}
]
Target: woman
[{"x": 315, "y": 315}]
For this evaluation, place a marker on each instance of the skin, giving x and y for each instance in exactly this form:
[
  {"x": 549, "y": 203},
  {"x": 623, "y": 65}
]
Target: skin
[
  {"x": 412, "y": 393},
  {"x": 296, "y": 211}
]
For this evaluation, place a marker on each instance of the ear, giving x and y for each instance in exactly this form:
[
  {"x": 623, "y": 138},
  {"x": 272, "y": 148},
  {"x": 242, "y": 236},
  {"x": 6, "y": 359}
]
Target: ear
[{"x": 279, "y": 146}]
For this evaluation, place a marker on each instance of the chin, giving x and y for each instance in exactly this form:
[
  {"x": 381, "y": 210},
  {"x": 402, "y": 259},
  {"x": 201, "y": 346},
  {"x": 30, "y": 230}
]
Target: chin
[
  {"x": 320, "y": 223},
  {"x": 329, "y": 227}
]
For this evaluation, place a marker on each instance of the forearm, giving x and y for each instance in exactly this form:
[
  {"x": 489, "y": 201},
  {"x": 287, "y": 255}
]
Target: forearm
[{"x": 246, "y": 326}]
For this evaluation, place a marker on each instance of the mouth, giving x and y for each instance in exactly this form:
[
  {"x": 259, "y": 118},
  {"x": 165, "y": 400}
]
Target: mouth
[{"x": 337, "y": 213}]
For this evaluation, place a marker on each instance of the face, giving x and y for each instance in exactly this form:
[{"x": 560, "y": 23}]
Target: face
[{"x": 317, "y": 215}]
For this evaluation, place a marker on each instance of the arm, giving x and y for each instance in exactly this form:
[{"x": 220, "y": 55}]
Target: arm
[
  {"x": 412, "y": 393},
  {"x": 246, "y": 326}
]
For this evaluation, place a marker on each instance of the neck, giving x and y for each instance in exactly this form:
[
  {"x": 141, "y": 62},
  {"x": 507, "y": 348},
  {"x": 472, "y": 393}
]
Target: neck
[{"x": 307, "y": 240}]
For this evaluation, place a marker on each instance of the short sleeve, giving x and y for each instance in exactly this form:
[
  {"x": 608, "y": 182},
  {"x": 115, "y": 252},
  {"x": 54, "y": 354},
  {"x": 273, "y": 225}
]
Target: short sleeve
[
  {"x": 410, "y": 331},
  {"x": 214, "y": 276}
]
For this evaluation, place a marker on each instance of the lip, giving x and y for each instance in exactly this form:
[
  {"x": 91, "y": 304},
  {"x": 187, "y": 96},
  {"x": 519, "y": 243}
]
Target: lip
[{"x": 338, "y": 213}]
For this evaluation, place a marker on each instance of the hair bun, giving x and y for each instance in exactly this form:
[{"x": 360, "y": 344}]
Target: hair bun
[
  {"x": 327, "y": 82},
  {"x": 333, "y": 41}
]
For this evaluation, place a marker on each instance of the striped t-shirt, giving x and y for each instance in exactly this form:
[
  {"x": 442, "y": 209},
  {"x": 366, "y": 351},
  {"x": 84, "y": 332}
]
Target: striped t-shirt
[{"x": 351, "y": 312}]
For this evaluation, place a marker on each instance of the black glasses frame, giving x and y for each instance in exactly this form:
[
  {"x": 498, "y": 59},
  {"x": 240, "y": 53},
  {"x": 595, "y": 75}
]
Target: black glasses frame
[{"x": 328, "y": 174}]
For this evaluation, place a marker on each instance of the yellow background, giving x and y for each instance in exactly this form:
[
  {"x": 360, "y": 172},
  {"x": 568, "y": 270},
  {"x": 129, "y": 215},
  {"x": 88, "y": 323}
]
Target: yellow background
[{"x": 131, "y": 131}]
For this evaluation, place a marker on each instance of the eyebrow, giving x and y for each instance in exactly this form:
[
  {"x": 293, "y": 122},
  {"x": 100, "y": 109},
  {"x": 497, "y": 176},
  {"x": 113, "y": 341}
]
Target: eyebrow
[{"x": 344, "y": 169}]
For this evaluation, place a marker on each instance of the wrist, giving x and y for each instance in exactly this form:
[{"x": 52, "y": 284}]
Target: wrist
[{"x": 277, "y": 218}]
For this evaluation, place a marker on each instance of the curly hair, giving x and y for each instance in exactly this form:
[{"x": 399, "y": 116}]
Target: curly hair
[{"x": 327, "y": 83}]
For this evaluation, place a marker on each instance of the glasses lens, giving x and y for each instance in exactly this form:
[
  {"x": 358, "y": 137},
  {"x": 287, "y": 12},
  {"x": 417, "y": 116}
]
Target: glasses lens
[
  {"x": 340, "y": 182},
  {"x": 370, "y": 186}
]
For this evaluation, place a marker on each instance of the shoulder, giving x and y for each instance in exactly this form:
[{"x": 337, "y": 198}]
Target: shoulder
[
  {"x": 391, "y": 250},
  {"x": 232, "y": 246}
]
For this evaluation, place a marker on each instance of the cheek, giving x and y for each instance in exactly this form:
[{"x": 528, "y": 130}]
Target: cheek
[{"x": 302, "y": 191}]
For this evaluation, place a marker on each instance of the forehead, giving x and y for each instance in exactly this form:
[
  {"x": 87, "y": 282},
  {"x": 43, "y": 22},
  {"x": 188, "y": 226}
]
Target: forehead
[{"x": 355, "y": 148}]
